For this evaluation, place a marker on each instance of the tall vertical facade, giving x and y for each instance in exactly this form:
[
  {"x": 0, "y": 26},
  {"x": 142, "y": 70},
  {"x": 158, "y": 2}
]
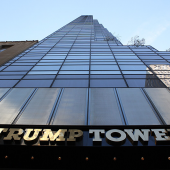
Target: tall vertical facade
[{"x": 81, "y": 77}]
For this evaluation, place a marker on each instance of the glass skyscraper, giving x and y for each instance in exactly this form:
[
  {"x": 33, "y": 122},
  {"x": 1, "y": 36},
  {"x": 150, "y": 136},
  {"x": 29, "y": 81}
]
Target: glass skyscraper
[{"x": 82, "y": 77}]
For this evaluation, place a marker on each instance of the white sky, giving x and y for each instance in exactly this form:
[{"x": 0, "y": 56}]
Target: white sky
[{"x": 35, "y": 19}]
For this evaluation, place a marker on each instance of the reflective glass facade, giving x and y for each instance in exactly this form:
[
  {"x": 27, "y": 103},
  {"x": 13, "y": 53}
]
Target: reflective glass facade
[{"x": 82, "y": 75}]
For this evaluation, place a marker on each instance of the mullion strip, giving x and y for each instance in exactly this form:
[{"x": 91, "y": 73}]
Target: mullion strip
[
  {"x": 55, "y": 107},
  {"x": 120, "y": 106}
]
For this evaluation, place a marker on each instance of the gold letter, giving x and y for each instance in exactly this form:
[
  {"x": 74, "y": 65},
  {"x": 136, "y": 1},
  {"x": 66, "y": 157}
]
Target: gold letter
[
  {"x": 13, "y": 135},
  {"x": 75, "y": 135},
  {"x": 34, "y": 138},
  {"x": 48, "y": 135},
  {"x": 3, "y": 130}
]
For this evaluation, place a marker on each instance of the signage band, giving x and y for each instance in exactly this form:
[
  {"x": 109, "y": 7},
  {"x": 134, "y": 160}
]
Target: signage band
[{"x": 112, "y": 137}]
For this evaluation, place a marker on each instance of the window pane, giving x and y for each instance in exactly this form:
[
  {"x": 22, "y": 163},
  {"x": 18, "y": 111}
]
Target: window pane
[
  {"x": 8, "y": 83},
  {"x": 11, "y": 105},
  {"x": 40, "y": 107},
  {"x": 18, "y": 68},
  {"x": 3, "y": 91},
  {"x": 75, "y": 67},
  {"x": 74, "y": 72},
  {"x": 105, "y": 72},
  {"x": 136, "y": 107},
  {"x": 43, "y": 72},
  {"x": 133, "y": 67},
  {"x": 104, "y": 67},
  {"x": 34, "y": 83},
  {"x": 43, "y": 68},
  {"x": 71, "y": 83},
  {"x": 104, "y": 107},
  {"x": 72, "y": 108},
  {"x": 145, "y": 83},
  {"x": 107, "y": 83},
  {"x": 161, "y": 99}
]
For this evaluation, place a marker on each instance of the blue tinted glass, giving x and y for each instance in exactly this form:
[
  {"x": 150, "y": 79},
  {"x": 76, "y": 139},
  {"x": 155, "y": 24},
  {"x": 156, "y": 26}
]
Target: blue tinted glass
[
  {"x": 75, "y": 67},
  {"x": 74, "y": 72},
  {"x": 34, "y": 83},
  {"x": 43, "y": 68},
  {"x": 43, "y": 72},
  {"x": 39, "y": 76},
  {"x": 145, "y": 83},
  {"x": 71, "y": 83},
  {"x": 133, "y": 67},
  {"x": 104, "y": 67},
  {"x": 136, "y": 72},
  {"x": 105, "y": 72},
  {"x": 107, "y": 83},
  {"x": 8, "y": 83},
  {"x": 18, "y": 68}
]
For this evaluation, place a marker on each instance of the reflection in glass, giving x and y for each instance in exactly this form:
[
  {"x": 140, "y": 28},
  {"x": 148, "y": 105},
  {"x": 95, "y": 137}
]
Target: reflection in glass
[
  {"x": 162, "y": 72},
  {"x": 71, "y": 83},
  {"x": 34, "y": 83},
  {"x": 136, "y": 107},
  {"x": 104, "y": 67},
  {"x": 144, "y": 83},
  {"x": 161, "y": 99},
  {"x": 74, "y": 72},
  {"x": 133, "y": 67},
  {"x": 105, "y": 72},
  {"x": 72, "y": 108},
  {"x": 43, "y": 68},
  {"x": 103, "y": 107},
  {"x": 107, "y": 83},
  {"x": 40, "y": 107},
  {"x": 3, "y": 91},
  {"x": 11, "y": 105},
  {"x": 42, "y": 72},
  {"x": 135, "y": 72},
  {"x": 75, "y": 67}
]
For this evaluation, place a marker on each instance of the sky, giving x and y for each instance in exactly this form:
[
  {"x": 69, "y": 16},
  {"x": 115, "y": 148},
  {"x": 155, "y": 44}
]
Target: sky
[{"x": 35, "y": 19}]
